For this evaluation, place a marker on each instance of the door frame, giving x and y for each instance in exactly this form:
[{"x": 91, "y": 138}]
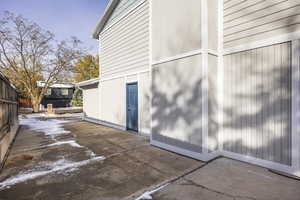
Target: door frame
[{"x": 137, "y": 106}]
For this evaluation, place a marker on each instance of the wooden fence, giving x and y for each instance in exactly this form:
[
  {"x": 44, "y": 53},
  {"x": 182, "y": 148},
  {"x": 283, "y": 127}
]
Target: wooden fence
[{"x": 8, "y": 116}]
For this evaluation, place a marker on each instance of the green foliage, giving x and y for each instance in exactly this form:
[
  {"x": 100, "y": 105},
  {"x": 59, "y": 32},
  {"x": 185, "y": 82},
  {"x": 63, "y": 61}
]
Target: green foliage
[
  {"x": 87, "y": 68},
  {"x": 77, "y": 98}
]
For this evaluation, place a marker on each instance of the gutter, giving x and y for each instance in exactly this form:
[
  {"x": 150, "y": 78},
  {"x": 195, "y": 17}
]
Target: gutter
[
  {"x": 100, "y": 25},
  {"x": 87, "y": 83}
]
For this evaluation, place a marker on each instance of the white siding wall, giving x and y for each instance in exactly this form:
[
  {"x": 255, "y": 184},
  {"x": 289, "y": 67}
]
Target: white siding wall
[
  {"x": 113, "y": 101},
  {"x": 177, "y": 81},
  {"x": 125, "y": 45},
  {"x": 213, "y": 41},
  {"x": 91, "y": 101},
  {"x": 177, "y": 103},
  {"x": 176, "y": 27},
  {"x": 122, "y": 7},
  {"x": 124, "y": 53},
  {"x": 252, "y": 20}
]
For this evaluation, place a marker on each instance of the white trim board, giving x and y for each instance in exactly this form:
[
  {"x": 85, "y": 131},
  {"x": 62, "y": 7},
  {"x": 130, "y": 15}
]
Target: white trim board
[
  {"x": 123, "y": 75},
  {"x": 204, "y": 68},
  {"x": 177, "y": 57},
  {"x": 220, "y": 83},
  {"x": 296, "y": 105},
  {"x": 198, "y": 156},
  {"x": 263, "y": 43},
  {"x": 185, "y": 55},
  {"x": 259, "y": 162},
  {"x": 209, "y": 156},
  {"x": 150, "y": 65},
  {"x": 103, "y": 123},
  {"x": 110, "y": 125}
]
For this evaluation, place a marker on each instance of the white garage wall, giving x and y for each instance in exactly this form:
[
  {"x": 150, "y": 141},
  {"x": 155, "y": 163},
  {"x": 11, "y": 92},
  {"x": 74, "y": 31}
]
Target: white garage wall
[
  {"x": 124, "y": 53},
  {"x": 91, "y": 101},
  {"x": 144, "y": 102},
  {"x": 177, "y": 103},
  {"x": 113, "y": 101}
]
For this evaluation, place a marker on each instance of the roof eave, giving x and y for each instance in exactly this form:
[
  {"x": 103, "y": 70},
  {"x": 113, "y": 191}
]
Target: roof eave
[
  {"x": 88, "y": 82},
  {"x": 100, "y": 25}
]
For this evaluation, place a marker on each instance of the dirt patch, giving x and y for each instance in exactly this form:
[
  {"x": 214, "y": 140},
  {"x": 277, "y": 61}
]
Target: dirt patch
[{"x": 19, "y": 160}]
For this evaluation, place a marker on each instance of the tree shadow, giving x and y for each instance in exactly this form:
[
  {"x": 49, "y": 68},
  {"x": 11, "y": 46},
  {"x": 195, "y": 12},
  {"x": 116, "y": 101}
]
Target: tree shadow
[
  {"x": 257, "y": 98},
  {"x": 177, "y": 105}
]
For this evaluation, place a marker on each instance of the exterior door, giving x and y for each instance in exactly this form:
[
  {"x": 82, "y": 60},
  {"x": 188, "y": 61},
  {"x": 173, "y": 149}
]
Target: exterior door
[{"x": 132, "y": 106}]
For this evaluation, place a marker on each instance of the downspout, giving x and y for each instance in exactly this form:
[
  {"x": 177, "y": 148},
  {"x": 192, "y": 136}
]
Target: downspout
[{"x": 83, "y": 116}]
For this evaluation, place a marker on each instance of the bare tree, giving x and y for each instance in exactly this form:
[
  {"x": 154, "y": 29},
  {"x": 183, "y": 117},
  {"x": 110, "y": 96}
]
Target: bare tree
[{"x": 28, "y": 54}]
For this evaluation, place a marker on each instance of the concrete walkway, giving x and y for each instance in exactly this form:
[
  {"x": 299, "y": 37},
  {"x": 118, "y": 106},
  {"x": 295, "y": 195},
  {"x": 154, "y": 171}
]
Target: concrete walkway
[
  {"x": 69, "y": 159},
  {"x": 226, "y": 179}
]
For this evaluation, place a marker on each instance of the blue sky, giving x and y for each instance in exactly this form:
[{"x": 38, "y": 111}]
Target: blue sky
[{"x": 64, "y": 18}]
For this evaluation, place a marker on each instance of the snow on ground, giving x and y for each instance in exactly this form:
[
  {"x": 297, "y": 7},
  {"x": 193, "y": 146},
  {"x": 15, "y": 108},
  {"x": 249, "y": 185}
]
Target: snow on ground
[
  {"x": 70, "y": 142},
  {"x": 148, "y": 195},
  {"x": 50, "y": 127},
  {"x": 60, "y": 166}
]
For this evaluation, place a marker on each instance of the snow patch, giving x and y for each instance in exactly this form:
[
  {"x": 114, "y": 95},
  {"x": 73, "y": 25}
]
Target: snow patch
[
  {"x": 50, "y": 127},
  {"x": 71, "y": 143},
  {"x": 148, "y": 195},
  {"x": 57, "y": 167}
]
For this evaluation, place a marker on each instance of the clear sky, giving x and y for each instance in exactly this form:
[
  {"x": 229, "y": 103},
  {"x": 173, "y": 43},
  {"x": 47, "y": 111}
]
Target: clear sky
[{"x": 64, "y": 18}]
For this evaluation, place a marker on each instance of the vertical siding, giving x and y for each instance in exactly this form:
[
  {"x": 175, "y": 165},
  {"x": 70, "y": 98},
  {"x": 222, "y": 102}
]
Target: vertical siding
[
  {"x": 177, "y": 103},
  {"x": 258, "y": 103},
  {"x": 125, "y": 45},
  {"x": 251, "y": 20}
]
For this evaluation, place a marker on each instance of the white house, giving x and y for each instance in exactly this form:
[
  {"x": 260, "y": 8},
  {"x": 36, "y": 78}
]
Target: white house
[{"x": 204, "y": 78}]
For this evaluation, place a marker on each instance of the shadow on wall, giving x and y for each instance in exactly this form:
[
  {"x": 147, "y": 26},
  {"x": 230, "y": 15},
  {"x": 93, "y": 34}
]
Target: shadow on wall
[
  {"x": 257, "y": 101},
  {"x": 177, "y": 104}
]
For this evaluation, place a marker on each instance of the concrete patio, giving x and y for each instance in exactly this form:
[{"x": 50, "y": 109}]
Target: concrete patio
[{"x": 71, "y": 159}]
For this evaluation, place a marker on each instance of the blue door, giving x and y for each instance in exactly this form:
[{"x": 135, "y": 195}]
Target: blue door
[{"x": 132, "y": 106}]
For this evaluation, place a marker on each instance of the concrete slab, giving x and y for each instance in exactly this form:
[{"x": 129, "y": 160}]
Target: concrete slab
[
  {"x": 231, "y": 179},
  {"x": 80, "y": 160}
]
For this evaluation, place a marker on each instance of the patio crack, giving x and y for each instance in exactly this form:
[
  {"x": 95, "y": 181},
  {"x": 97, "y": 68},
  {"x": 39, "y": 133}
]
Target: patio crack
[{"x": 192, "y": 183}]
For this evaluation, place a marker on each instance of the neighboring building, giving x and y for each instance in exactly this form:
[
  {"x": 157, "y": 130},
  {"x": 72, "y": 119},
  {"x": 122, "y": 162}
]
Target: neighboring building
[
  {"x": 59, "y": 95},
  {"x": 224, "y": 77}
]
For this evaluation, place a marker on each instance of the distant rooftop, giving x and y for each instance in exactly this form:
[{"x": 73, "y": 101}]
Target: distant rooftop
[{"x": 56, "y": 85}]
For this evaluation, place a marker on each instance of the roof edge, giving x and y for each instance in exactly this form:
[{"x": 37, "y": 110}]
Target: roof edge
[
  {"x": 88, "y": 82},
  {"x": 101, "y": 23}
]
